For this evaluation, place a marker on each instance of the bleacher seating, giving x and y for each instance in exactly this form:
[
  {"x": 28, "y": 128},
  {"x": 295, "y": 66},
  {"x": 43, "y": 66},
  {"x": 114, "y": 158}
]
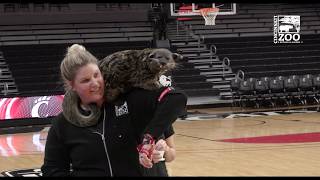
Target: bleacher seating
[
  {"x": 35, "y": 68},
  {"x": 75, "y": 32},
  {"x": 7, "y": 82},
  {"x": 254, "y": 53}
]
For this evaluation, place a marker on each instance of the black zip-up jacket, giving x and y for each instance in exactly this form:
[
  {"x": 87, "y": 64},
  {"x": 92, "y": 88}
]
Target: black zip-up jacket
[{"x": 88, "y": 153}]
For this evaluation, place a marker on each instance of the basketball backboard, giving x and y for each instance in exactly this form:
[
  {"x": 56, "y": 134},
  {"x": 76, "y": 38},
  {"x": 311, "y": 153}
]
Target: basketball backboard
[{"x": 193, "y": 9}]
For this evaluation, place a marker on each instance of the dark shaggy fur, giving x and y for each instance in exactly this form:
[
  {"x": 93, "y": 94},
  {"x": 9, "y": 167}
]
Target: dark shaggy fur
[
  {"x": 122, "y": 71},
  {"x": 135, "y": 68}
]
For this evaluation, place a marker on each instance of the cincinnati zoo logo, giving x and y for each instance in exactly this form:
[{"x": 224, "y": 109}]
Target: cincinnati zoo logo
[{"x": 286, "y": 29}]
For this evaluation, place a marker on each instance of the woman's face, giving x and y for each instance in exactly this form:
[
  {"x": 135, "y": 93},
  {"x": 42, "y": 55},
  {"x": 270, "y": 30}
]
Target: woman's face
[{"x": 89, "y": 84}]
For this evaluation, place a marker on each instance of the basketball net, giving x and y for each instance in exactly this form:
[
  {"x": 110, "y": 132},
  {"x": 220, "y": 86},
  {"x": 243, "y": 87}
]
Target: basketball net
[{"x": 209, "y": 15}]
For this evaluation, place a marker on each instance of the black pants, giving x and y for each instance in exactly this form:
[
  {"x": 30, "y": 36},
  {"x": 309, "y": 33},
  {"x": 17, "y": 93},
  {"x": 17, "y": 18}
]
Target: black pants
[{"x": 158, "y": 169}]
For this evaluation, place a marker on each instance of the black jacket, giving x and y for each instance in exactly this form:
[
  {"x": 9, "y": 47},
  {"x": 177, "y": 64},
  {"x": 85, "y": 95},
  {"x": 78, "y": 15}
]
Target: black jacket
[{"x": 87, "y": 153}]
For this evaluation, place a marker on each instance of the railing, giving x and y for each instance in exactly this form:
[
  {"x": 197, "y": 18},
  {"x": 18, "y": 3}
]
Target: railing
[
  {"x": 5, "y": 90},
  {"x": 240, "y": 74},
  {"x": 225, "y": 64},
  {"x": 212, "y": 46}
]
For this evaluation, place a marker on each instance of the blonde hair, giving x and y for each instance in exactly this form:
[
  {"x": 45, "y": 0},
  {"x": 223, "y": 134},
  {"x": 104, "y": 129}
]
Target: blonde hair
[{"x": 76, "y": 57}]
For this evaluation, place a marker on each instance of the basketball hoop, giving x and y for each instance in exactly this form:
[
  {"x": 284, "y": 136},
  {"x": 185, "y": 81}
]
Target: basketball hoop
[{"x": 209, "y": 15}]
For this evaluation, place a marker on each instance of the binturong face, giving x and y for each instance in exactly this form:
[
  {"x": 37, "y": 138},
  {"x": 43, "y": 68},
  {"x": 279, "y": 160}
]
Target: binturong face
[
  {"x": 161, "y": 60},
  {"x": 89, "y": 84}
]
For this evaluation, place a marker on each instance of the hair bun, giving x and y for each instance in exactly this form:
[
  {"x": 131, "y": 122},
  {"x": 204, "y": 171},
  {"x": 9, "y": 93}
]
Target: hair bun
[{"x": 76, "y": 47}]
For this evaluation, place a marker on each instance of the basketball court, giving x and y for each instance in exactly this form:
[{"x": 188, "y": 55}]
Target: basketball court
[
  {"x": 210, "y": 142},
  {"x": 275, "y": 145}
]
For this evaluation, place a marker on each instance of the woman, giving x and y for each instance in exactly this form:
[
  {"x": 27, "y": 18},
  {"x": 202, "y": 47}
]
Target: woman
[{"x": 107, "y": 146}]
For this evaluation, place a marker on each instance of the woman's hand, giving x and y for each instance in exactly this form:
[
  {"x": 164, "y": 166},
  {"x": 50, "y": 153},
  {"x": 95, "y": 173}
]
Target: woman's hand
[
  {"x": 145, "y": 151},
  {"x": 145, "y": 161},
  {"x": 158, "y": 153}
]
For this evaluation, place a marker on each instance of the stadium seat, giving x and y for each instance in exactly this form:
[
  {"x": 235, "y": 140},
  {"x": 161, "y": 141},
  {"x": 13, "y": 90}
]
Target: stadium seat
[
  {"x": 306, "y": 87},
  {"x": 235, "y": 85},
  {"x": 291, "y": 86},
  {"x": 277, "y": 92},
  {"x": 247, "y": 92},
  {"x": 261, "y": 88},
  {"x": 316, "y": 86}
]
